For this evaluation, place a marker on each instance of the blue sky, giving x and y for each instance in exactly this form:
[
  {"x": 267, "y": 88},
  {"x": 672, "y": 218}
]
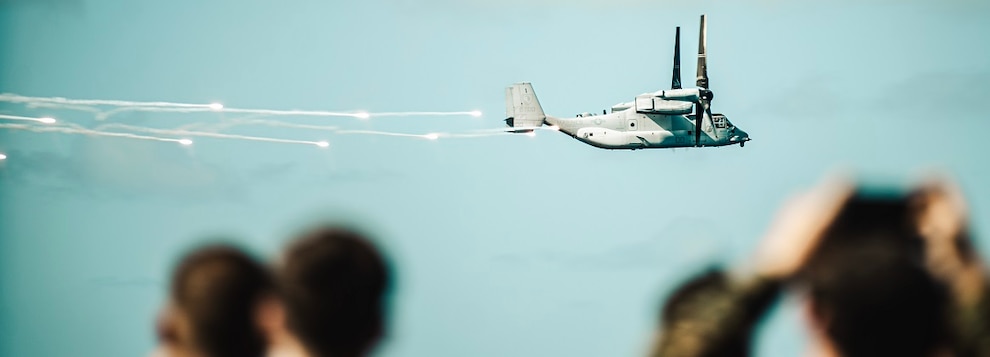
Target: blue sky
[{"x": 505, "y": 245}]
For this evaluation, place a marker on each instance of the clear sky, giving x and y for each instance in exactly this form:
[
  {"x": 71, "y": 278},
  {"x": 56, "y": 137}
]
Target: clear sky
[{"x": 505, "y": 246}]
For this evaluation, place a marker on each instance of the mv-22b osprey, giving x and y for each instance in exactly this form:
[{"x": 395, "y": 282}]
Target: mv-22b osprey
[{"x": 663, "y": 119}]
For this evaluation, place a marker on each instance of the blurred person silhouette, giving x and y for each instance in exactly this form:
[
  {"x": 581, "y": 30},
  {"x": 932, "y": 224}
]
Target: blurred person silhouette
[
  {"x": 883, "y": 275},
  {"x": 214, "y": 295},
  {"x": 332, "y": 285},
  {"x": 869, "y": 291},
  {"x": 951, "y": 256},
  {"x": 712, "y": 315}
]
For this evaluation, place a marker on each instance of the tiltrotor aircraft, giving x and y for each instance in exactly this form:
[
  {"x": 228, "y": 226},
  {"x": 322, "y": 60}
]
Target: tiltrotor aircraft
[{"x": 663, "y": 119}]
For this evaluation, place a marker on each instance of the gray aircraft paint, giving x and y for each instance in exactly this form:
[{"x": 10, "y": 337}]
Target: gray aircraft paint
[{"x": 663, "y": 119}]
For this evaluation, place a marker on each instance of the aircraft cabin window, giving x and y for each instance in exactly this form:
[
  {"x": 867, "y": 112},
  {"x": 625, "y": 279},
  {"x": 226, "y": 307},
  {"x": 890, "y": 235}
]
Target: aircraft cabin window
[{"x": 719, "y": 121}]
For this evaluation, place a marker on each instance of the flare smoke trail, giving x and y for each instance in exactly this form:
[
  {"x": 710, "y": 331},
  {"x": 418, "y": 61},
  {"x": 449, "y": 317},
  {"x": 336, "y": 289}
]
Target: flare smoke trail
[
  {"x": 269, "y": 112},
  {"x": 15, "y": 98},
  {"x": 291, "y": 112},
  {"x": 208, "y": 130},
  {"x": 180, "y": 133},
  {"x": 20, "y": 118},
  {"x": 385, "y": 133},
  {"x": 230, "y": 123},
  {"x": 227, "y": 124},
  {"x": 474, "y": 113},
  {"x": 83, "y": 131},
  {"x": 78, "y": 108},
  {"x": 471, "y": 135},
  {"x": 173, "y": 107}
]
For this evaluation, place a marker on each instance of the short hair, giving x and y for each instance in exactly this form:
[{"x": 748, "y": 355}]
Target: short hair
[
  {"x": 681, "y": 303},
  {"x": 869, "y": 286},
  {"x": 218, "y": 288},
  {"x": 712, "y": 315},
  {"x": 333, "y": 283}
]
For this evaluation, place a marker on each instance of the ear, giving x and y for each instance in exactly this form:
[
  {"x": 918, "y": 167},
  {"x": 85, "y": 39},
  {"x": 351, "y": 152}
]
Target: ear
[
  {"x": 815, "y": 316},
  {"x": 270, "y": 315}
]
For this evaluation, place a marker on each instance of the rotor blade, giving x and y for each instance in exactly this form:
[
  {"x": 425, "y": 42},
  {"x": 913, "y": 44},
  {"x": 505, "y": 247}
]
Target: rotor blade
[
  {"x": 702, "y": 53},
  {"x": 711, "y": 120},
  {"x": 675, "y": 83},
  {"x": 699, "y": 115}
]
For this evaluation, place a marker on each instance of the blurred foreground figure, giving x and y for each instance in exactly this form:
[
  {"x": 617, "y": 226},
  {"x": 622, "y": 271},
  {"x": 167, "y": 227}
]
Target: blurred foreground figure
[
  {"x": 332, "y": 289},
  {"x": 883, "y": 275},
  {"x": 213, "y": 299}
]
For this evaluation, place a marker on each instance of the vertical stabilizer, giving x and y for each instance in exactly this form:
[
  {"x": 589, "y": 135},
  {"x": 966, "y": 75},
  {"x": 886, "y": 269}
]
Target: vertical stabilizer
[{"x": 522, "y": 108}]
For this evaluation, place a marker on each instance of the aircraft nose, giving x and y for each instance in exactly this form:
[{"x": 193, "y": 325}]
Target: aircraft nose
[{"x": 739, "y": 135}]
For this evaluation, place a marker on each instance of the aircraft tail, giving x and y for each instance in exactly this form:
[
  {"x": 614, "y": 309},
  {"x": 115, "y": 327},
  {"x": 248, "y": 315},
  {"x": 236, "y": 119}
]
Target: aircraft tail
[{"x": 522, "y": 109}]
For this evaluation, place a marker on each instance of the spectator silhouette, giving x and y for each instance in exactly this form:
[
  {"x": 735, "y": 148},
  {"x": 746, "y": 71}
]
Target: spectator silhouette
[
  {"x": 883, "y": 275},
  {"x": 332, "y": 290},
  {"x": 213, "y": 296}
]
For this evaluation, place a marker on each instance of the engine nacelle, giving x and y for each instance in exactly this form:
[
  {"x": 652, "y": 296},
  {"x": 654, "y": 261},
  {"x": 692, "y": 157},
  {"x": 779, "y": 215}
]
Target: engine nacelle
[
  {"x": 650, "y": 104},
  {"x": 687, "y": 94}
]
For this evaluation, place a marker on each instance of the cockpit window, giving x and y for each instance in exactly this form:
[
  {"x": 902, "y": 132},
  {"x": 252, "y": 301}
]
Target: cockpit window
[{"x": 720, "y": 121}]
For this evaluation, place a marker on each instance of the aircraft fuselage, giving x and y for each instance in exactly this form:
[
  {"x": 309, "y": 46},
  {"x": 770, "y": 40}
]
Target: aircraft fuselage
[{"x": 631, "y": 130}]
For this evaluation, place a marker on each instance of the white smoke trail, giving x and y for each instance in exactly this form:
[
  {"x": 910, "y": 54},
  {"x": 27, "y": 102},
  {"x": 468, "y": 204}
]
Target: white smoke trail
[
  {"x": 83, "y": 131},
  {"x": 274, "y": 112},
  {"x": 15, "y": 98},
  {"x": 175, "y": 132},
  {"x": 474, "y": 113},
  {"x": 79, "y": 108},
  {"x": 207, "y": 130},
  {"x": 268, "y": 112},
  {"x": 471, "y": 135},
  {"x": 175, "y": 107},
  {"x": 387, "y": 133},
  {"x": 337, "y": 130},
  {"x": 183, "y": 134},
  {"x": 230, "y": 123},
  {"x": 227, "y": 124},
  {"x": 45, "y": 120},
  {"x": 216, "y": 127}
]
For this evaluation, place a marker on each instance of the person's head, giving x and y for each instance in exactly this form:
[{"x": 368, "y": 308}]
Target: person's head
[
  {"x": 870, "y": 293},
  {"x": 692, "y": 295},
  {"x": 333, "y": 283},
  {"x": 686, "y": 317},
  {"x": 213, "y": 298}
]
